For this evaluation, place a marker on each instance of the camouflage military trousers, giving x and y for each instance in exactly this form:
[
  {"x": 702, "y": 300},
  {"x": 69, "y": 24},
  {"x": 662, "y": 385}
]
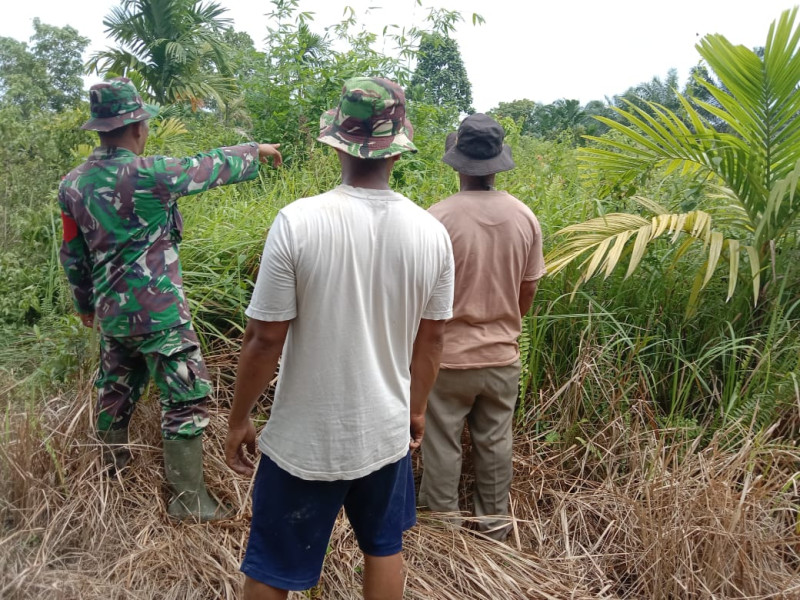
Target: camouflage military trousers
[{"x": 173, "y": 359}]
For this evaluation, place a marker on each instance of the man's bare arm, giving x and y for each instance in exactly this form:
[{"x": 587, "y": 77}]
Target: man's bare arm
[
  {"x": 258, "y": 360},
  {"x": 424, "y": 369},
  {"x": 527, "y": 290}
]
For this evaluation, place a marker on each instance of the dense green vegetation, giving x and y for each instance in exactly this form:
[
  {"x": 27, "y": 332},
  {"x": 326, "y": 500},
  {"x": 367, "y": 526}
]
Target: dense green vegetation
[
  {"x": 696, "y": 337},
  {"x": 724, "y": 360}
]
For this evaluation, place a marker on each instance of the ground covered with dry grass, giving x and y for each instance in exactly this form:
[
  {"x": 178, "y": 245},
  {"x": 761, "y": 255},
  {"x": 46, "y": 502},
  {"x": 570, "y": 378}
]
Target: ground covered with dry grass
[{"x": 631, "y": 511}]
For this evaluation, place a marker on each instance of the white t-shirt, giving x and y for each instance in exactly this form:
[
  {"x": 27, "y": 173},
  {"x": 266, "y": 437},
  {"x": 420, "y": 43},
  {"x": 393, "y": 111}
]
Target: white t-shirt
[{"x": 354, "y": 270}]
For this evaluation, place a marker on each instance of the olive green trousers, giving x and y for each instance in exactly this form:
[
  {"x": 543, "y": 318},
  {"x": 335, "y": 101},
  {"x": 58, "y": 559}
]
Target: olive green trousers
[{"x": 484, "y": 399}]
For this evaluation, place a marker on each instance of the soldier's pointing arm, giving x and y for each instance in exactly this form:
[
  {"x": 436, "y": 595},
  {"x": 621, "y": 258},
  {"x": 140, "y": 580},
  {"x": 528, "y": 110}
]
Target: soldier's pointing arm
[{"x": 201, "y": 172}]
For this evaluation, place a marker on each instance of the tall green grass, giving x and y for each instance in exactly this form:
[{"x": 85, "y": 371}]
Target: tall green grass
[
  {"x": 587, "y": 353},
  {"x": 728, "y": 362}
]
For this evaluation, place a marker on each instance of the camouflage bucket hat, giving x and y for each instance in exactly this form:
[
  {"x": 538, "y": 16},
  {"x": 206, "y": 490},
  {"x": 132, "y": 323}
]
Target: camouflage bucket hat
[
  {"x": 115, "y": 103},
  {"x": 370, "y": 121},
  {"x": 478, "y": 149}
]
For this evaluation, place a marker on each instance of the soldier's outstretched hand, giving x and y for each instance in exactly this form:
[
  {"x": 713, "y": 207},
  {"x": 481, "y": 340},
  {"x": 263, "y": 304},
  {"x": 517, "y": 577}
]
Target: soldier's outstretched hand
[{"x": 265, "y": 151}]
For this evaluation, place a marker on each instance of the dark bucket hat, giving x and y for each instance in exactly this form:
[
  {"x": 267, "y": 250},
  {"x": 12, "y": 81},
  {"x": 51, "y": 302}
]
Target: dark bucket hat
[
  {"x": 115, "y": 103},
  {"x": 450, "y": 140},
  {"x": 479, "y": 149},
  {"x": 370, "y": 120}
]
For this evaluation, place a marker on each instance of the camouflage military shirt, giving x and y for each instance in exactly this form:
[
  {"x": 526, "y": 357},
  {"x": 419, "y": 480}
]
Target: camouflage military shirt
[{"x": 122, "y": 228}]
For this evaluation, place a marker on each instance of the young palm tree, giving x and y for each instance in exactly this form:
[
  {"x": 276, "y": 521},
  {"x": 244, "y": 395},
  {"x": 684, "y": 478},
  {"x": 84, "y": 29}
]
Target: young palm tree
[
  {"x": 176, "y": 46},
  {"x": 751, "y": 160}
]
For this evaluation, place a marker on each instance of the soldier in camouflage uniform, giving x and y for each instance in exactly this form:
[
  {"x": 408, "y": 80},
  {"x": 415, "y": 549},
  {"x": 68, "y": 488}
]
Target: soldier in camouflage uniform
[{"x": 122, "y": 228}]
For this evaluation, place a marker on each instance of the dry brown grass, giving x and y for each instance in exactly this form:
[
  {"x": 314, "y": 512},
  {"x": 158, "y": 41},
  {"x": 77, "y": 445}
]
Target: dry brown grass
[{"x": 629, "y": 512}]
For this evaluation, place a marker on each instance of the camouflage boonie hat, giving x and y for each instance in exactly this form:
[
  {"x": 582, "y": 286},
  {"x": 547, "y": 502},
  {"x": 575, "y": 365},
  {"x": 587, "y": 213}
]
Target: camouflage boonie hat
[
  {"x": 370, "y": 121},
  {"x": 115, "y": 103}
]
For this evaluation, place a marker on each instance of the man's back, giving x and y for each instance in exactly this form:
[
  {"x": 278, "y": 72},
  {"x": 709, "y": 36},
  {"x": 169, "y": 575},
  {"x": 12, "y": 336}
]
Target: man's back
[
  {"x": 353, "y": 291},
  {"x": 125, "y": 208},
  {"x": 496, "y": 245},
  {"x": 356, "y": 270}
]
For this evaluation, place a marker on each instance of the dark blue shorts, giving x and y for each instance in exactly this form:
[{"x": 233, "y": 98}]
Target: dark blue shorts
[{"x": 293, "y": 519}]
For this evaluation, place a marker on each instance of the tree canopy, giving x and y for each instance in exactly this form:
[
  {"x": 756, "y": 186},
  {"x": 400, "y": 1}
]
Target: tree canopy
[
  {"x": 440, "y": 78},
  {"x": 176, "y": 46},
  {"x": 561, "y": 119},
  {"x": 46, "y": 73}
]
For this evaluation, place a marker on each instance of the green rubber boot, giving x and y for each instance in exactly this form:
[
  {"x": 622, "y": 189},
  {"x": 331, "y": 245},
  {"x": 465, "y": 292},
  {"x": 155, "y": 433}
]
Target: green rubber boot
[
  {"x": 116, "y": 453},
  {"x": 183, "y": 463}
]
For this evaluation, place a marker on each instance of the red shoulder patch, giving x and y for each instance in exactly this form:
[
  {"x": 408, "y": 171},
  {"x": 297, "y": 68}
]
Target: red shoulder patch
[{"x": 70, "y": 227}]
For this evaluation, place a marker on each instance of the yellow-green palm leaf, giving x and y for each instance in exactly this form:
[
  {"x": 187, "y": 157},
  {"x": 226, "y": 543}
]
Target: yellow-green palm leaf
[{"x": 603, "y": 242}]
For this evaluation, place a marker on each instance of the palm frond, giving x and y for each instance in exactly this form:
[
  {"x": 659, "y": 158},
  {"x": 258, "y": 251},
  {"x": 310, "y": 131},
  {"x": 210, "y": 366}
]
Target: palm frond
[
  {"x": 604, "y": 241},
  {"x": 171, "y": 43},
  {"x": 745, "y": 152}
]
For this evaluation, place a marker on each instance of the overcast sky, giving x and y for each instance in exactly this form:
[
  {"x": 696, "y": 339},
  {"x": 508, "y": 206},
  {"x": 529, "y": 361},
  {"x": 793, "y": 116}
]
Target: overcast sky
[{"x": 536, "y": 49}]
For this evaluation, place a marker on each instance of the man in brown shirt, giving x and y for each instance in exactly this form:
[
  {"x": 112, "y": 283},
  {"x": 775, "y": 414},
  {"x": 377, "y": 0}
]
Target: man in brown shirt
[{"x": 497, "y": 246}]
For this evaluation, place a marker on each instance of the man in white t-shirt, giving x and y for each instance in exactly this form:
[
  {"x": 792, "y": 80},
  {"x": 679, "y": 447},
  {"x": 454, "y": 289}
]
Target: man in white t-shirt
[{"x": 358, "y": 283}]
